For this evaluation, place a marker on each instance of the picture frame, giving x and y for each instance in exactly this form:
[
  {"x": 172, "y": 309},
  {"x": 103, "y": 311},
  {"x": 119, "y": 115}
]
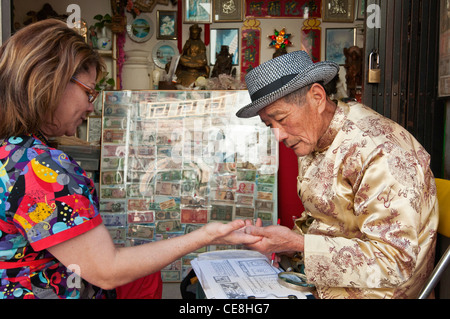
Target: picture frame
[
  {"x": 338, "y": 11},
  {"x": 336, "y": 39},
  {"x": 228, "y": 37},
  {"x": 197, "y": 11},
  {"x": 361, "y": 9},
  {"x": 269, "y": 9},
  {"x": 163, "y": 52},
  {"x": 140, "y": 29},
  {"x": 166, "y": 25},
  {"x": 228, "y": 10}
]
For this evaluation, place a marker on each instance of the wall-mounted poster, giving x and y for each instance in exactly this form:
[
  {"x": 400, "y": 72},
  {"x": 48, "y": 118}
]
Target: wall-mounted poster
[
  {"x": 175, "y": 160},
  {"x": 336, "y": 40},
  {"x": 197, "y": 11},
  {"x": 339, "y": 11},
  {"x": 251, "y": 46},
  {"x": 228, "y": 10},
  {"x": 166, "y": 25}
]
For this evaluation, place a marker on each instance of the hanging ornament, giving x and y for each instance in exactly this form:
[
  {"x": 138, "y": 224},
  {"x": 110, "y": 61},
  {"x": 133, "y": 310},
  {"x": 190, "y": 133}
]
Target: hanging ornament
[{"x": 280, "y": 39}]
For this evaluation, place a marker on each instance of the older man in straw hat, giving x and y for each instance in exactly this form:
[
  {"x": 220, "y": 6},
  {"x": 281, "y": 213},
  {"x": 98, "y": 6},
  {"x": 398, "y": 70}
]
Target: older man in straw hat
[{"x": 370, "y": 220}]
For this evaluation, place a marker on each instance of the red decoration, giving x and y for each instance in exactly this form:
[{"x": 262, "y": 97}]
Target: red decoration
[
  {"x": 250, "y": 47},
  {"x": 180, "y": 26},
  {"x": 207, "y": 34},
  {"x": 310, "y": 38}
]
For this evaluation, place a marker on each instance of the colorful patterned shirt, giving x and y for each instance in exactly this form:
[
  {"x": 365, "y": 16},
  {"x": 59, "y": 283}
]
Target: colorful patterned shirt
[
  {"x": 371, "y": 192},
  {"x": 45, "y": 199}
]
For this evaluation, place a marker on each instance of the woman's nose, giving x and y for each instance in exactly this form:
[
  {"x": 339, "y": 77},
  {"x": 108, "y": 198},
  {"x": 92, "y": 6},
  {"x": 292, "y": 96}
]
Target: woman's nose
[{"x": 90, "y": 107}]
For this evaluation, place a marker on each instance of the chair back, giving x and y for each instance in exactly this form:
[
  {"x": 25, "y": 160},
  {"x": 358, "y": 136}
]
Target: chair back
[{"x": 443, "y": 196}]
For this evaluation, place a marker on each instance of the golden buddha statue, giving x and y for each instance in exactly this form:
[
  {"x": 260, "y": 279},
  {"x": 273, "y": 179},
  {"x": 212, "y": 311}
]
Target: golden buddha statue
[{"x": 192, "y": 63}]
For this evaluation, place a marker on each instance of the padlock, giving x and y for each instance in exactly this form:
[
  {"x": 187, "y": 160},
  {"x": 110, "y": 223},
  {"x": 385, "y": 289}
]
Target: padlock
[{"x": 374, "y": 73}]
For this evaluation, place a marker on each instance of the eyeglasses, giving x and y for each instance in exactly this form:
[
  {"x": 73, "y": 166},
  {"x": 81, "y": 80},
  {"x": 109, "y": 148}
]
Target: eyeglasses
[{"x": 91, "y": 93}]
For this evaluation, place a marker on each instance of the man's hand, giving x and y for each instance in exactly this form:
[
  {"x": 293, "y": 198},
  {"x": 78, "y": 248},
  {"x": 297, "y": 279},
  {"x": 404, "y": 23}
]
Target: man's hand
[{"x": 275, "y": 239}]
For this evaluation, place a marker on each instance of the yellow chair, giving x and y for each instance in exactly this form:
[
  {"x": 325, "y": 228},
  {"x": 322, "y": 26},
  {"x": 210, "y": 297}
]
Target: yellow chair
[{"x": 443, "y": 195}]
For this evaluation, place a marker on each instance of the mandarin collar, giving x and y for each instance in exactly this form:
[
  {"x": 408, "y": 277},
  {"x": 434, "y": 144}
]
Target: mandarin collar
[{"x": 337, "y": 122}]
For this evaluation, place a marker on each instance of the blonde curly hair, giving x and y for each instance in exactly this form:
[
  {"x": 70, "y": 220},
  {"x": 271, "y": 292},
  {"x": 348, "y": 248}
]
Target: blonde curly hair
[{"x": 36, "y": 64}]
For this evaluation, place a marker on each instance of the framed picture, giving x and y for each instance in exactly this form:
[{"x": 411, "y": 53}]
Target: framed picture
[
  {"x": 197, "y": 11},
  {"x": 163, "y": 52},
  {"x": 224, "y": 37},
  {"x": 338, "y": 11},
  {"x": 228, "y": 10},
  {"x": 140, "y": 29},
  {"x": 360, "y": 9},
  {"x": 269, "y": 9},
  {"x": 336, "y": 40},
  {"x": 167, "y": 25}
]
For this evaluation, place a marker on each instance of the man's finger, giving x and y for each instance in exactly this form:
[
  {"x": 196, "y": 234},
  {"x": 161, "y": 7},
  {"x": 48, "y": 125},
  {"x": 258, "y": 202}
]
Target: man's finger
[{"x": 255, "y": 231}]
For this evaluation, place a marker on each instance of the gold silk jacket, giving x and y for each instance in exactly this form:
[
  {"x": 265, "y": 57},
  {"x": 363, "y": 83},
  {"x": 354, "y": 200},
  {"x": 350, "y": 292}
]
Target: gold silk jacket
[{"x": 372, "y": 195}]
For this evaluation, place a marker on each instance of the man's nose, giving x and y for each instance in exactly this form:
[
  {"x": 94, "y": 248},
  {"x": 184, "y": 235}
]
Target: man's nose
[{"x": 280, "y": 134}]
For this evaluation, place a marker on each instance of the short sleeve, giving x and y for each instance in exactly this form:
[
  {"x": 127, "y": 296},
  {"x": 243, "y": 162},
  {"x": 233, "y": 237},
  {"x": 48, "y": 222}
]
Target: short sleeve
[{"x": 53, "y": 199}]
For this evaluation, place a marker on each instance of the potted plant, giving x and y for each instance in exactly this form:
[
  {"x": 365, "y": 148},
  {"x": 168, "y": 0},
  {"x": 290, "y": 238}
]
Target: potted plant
[
  {"x": 105, "y": 83},
  {"x": 103, "y": 21}
]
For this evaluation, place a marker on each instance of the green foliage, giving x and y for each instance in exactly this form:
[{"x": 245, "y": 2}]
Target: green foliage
[
  {"x": 106, "y": 83},
  {"x": 103, "y": 20}
]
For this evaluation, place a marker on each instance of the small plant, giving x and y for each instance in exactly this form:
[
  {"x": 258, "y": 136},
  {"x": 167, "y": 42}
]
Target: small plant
[
  {"x": 106, "y": 83},
  {"x": 103, "y": 20}
]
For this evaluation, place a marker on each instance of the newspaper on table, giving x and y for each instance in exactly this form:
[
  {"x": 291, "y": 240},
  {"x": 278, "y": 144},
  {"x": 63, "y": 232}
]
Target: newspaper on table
[{"x": 240, "y": 274}]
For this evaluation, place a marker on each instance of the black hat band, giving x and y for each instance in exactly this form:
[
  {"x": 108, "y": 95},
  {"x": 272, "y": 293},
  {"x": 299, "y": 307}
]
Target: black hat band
[{"x": 272, "y": 87}]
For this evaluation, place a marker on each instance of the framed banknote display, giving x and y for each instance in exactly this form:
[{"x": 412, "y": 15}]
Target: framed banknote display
[{"x": 172, "y": 161}]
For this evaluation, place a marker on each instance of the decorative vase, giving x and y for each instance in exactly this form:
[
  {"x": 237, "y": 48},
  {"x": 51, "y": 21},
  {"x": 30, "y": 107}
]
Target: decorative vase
[
  {"x": 137, "y": 70},
  {"x": 103, "y": 41}
]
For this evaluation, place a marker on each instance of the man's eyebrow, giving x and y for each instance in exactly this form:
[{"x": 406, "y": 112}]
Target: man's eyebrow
[
  {"x": 272, "y": 115},
  {"x": 275, "y": 113}
]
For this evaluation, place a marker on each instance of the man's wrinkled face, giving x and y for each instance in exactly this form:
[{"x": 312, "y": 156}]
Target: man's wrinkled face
[{"x": 299, "y": 127}]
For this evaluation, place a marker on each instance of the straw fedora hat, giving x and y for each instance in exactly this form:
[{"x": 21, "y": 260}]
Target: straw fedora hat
[{"x": 282, "y": 75}]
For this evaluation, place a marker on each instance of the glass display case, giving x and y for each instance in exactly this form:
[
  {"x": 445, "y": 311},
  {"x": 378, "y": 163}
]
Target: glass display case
[{"x": 172, "y": 161}]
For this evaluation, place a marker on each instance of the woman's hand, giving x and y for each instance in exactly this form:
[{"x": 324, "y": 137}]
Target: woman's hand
[{"x": 232, "y": 233}]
